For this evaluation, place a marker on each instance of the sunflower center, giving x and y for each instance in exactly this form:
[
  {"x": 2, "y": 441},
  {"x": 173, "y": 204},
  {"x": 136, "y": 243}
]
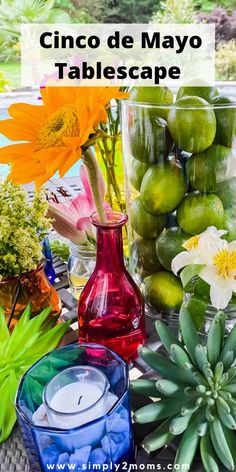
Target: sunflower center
[
  {"x": 61, "y": 124},
  {"x": 191, "y": 243},
  {"x": 225, "y": 261}
]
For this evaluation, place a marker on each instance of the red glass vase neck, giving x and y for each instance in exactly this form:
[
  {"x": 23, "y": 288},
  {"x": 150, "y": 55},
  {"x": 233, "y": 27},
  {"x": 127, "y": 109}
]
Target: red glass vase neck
[
  {"x": 111, "y": 307},
  {"x": 110, "y": 256}
]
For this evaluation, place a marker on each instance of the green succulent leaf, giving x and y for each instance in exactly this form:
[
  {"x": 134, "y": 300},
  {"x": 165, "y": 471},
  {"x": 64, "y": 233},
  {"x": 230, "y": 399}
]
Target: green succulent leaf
[
  {"x": 145, "y": 387},
  {"x": 160, "y": 437},
  {"x": 158, "y": 410},
  {"x": 201, "y": 357},
  {"x": 189, "y": 333},
  {"x": 231, "y": 441},
  {"x": 7, "y": 410},
  {"x": 4, "y": 333},
  {"x": 214, "y": 342},
  {"x": 220, "y": 444},
  {"x": 162, "y": 365},
  {"x": 197, "y": 394},
  {"x": 221, "y": 316},
  {"x": 168, "y": 387},
  {"x": 29, "y": 341},
  {"x": 230, "y": 343},
  {"x": 166, "y": 336},
  {"x": 188, "y": 445},
  {"x": 208, "y": 455},
  {"x": 179, "y": 424}
]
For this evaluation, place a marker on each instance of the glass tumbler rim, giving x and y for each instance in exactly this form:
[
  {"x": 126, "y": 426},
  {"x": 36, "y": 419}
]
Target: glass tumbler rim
[
  {"x": 70, "y": 414},
  {"x": 173, "y": 106}
]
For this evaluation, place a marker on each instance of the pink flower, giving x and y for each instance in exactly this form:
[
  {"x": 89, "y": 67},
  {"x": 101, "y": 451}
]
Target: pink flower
[{"x": 72, "y": 220}]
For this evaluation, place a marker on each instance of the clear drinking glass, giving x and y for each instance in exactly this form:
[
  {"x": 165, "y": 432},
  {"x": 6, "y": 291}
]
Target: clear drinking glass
[
  {"x": 180, "y": 167},
  {"x": 75, "y": 396},
  {"x": 81, "y": 263}
]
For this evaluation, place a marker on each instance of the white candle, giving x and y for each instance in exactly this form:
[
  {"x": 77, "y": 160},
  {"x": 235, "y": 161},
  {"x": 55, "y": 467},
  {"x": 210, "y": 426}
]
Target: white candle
[{"x": 76, "y": 396}]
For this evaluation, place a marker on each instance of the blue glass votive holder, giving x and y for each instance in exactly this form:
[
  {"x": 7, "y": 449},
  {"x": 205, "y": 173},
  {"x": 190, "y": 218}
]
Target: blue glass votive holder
[{"x": 99, "y": 444}]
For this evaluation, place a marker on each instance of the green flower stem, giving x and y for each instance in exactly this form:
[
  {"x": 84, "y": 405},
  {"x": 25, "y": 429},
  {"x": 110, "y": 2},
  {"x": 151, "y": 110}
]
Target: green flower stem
[
  {"x": 92, "y": 166},
  {"x": 108, "y": 157}
]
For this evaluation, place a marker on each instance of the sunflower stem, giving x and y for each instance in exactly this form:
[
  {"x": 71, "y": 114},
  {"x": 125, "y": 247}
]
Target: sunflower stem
[{"x": 92, "y": 166}]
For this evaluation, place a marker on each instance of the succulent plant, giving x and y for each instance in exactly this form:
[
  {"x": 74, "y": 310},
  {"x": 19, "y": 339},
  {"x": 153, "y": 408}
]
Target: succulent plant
[
  {"x": 197, "y": 394},
  {"x": 29, "y": 341}
]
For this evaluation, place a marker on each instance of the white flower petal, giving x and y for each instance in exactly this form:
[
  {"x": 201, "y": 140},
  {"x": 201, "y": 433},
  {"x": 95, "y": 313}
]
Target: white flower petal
[
  {"x": 222, "y": 232},
  {"x": 232, "y": 283},
  {"x": 209, "y": 244},
  {"x": 181, "y": 260},
  {"x": 220, "y": 297},
  {"x": 209, "y": 275},
  {"x": 232, "y": 246}
]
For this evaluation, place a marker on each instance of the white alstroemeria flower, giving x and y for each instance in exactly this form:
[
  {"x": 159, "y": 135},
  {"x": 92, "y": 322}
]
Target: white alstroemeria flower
[
  {"x": 219, "y": 259},
  {"x": 197, "y": 249},
  {"x": 220, "y": 273}
]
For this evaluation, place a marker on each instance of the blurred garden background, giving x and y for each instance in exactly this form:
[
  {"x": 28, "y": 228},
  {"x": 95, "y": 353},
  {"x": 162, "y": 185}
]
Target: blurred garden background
[{"x": 15, "y": 12}]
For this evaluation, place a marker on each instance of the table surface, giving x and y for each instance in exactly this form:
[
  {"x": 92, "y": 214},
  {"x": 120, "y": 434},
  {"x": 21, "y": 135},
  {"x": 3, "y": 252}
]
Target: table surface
[{"x": 12, "y": 453}]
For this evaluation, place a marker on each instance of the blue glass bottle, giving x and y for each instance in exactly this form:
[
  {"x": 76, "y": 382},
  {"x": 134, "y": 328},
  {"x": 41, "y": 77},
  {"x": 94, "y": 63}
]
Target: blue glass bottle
[{"x": 49, "y": 269}]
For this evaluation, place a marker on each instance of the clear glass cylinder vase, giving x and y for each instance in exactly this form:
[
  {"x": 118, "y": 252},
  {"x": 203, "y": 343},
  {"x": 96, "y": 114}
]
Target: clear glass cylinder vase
[
  {"x": 81, "y": 263},
  {"x": 203, "y": 312},
  {"x": 180, "y": 167}
]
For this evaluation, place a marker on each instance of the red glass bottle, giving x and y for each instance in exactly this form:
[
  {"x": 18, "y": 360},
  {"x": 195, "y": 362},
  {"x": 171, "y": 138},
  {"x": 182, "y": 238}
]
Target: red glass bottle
[{"x": 111, "y": 307}]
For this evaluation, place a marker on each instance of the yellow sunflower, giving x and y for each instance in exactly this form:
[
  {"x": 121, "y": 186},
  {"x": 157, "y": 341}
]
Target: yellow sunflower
[{"x": 53, "y": 132}]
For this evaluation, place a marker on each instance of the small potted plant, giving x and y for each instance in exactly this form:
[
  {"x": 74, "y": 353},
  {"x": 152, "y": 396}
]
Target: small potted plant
[
  {"x": 195, "y": 398},
  {"x": 23, "y": 226}
]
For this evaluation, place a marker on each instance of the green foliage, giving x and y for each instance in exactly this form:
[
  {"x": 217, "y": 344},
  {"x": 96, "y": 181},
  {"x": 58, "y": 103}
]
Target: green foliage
[
  {"x": 3, "y": 82},
  {"x": 197, "y": 394},
  {"x": 23, "y": 226},
  {"x": 60, "y": 249},
  {"x": 209, "y": 5},
  {"x": 127, "y": 11},
  {"x": 226, "y": 60},
  {"x": 29, "y": 341},
  {"x": 175, "y": 11},
  {"x": 13, "y": 13}
]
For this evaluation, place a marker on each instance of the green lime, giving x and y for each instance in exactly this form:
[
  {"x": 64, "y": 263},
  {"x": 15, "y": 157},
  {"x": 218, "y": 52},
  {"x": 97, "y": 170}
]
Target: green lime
[
  {"x": 163, "y": 187},
  {"x": 225, "y": 120},
  {"x": 153, "y": 95},
  {"x": 203, "y": 91},
  {"x": 229, "y": 225},
  {"x": 137, "y": 171},
  {"x": 169, "y": 244},
  {"x": 226, "y": 191},
  {"x": 196, "y": 212},
  {"x": 210, "y": 167},
  {"x": 163, "y": 290},
  {"x": 192, "y": 124},
  {"x": 146, "y": 225},
  {"x": 143, "y": 257},
  {"x": 150, "y": 140}
]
